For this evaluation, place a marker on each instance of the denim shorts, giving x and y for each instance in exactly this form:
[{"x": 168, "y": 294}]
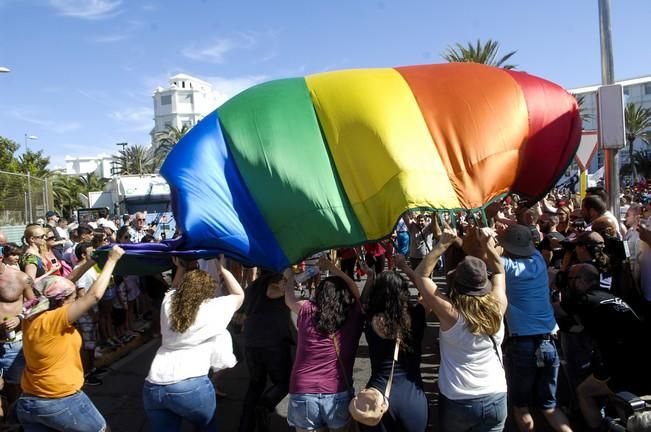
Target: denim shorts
[
  {"x": 484, "y": 413},
  {"x": 313, "y": 411},
  {"x": 12, "y": 361},
  {"x": 74, "y": 413},
  {"x": 532, "y": 365}
]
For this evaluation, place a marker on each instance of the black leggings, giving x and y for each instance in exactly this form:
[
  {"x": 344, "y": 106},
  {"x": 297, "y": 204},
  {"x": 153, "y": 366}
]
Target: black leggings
[
  {"x": 274, "y": 363},
  {"x": 408, "y": 410}
]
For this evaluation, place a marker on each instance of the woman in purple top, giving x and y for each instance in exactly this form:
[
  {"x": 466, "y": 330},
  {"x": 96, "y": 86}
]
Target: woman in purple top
[{"x": 320, "y": 386}]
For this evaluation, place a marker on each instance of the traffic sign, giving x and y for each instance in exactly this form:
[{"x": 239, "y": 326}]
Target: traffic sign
[{"x": 587, "y": 148}]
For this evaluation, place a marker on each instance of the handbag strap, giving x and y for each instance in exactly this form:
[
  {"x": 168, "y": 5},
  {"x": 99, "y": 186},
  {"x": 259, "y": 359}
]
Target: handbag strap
[
  {"x": 496, "y": 351},
  {"x": 396, "y": 350},
  {"x": 341, "y": 363}
]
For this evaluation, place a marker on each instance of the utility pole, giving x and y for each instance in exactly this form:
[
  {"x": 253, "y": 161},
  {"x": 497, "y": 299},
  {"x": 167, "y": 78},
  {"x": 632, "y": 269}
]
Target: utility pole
[{"x": 611, "y": 158}]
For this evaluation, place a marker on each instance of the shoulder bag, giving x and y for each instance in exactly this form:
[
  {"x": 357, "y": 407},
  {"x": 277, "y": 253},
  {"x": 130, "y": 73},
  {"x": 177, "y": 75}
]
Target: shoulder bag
[{"x": 369, "y": 405}]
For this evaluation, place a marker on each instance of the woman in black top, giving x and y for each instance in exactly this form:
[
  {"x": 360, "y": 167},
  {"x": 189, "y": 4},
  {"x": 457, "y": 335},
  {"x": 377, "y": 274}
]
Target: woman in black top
[
  {"x": 267, "y": 333},
  {"x": 390, "y": 316}
]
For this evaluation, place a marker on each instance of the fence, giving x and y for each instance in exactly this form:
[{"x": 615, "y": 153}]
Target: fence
[{"x": 23, "y": 198}]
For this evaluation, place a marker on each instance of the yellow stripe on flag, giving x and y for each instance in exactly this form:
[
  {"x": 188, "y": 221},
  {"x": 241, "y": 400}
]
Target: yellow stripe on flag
[{"x": 384, "y": 153}]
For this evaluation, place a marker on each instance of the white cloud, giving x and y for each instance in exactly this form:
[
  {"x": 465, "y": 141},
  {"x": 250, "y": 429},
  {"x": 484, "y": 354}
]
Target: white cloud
[
  {"x": 54, "y": 126},
  {"x": 213, "y": 53},
  {"x": 136, "y": 118},
  {"x": 87, "y": 9},
  {"x": 110, "y": 38}
]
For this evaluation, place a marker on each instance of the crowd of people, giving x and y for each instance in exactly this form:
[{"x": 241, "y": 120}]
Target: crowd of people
[{"x": 536, "y": 295}]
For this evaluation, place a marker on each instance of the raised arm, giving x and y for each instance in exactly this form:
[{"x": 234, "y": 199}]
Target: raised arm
[
  {"x": 494, "y": 266},
  {"x": 97, "y": 290},
  {"x": 287, "y": 284},
  {"x": 370, "y": 279},
  {"x": 231, "y": 284},
  {"x": 432, "y": 297},
  {"x": 325, "y": 264}
]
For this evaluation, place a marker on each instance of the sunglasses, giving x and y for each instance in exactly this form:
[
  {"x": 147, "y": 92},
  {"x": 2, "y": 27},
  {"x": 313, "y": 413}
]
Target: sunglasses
[
  {"x": 140, "y": 220},
  {"x": 50, "y": 238}
]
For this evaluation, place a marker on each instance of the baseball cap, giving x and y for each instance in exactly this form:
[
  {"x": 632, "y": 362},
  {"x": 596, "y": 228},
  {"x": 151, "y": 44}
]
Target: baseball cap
[
  {"x": 51, "y": 213},
  {"x": 517, "y": 240}
]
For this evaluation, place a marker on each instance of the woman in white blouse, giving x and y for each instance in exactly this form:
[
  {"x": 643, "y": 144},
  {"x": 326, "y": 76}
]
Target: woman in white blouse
[{"x": 194, "y": 339}]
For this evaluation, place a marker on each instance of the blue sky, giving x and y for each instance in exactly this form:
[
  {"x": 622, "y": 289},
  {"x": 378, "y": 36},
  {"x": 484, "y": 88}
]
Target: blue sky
[{"x": 83, "y": 71}]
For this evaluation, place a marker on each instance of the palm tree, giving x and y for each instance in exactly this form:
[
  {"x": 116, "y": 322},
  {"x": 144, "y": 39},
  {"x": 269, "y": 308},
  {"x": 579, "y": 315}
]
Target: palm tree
[
  {"x": 66, "y": 190},
  {"x": 166, "y": 140},
  {"x": 638, "y": 125},
  {"x": 91, "y": 183},
  {"x": 580, "y": 101},
  {"x": 479, "y": 53},
  {"x": 135, "y": 159},
  {"x": 34, "y": 163},
  {"x": 641, "y": 163}
]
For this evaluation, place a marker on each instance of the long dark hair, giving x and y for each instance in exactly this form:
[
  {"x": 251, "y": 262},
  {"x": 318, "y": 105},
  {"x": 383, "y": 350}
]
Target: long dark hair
[
  {"x": 333, "y": 301},
  {"x": 390, "y": 299}
]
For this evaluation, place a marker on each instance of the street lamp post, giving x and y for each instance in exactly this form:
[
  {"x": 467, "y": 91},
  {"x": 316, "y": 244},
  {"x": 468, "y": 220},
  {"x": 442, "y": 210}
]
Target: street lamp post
[
  {"x": 4, "y": 69},
  {"x": 29, "y": 137},
  {"x": 611, "y": 158}
]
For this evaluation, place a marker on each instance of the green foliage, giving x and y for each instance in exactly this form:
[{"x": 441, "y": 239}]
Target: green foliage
[
  {"x": 166, "y": 141},
  {"x": 580, "y": 101},
  {"x": 66, "y": 191},
  {"x": 7, "y": 150},
  {"x": 638, "y": 125},
  {"x": 34, "y": 163},
  {"x": 136, "y": 159},
  {"x": 479, "y": 53}
]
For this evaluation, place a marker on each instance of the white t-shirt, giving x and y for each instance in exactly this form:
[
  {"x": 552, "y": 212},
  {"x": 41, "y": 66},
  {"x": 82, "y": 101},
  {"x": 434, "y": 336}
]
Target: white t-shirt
[
  {"x": 470, "y": 366},
  {"x": 87, "y": 279},
  {"x": 205, "y": 344}
]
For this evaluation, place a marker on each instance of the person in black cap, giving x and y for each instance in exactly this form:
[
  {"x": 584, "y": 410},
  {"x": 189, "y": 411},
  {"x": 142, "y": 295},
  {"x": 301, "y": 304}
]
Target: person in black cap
[
  {"x": 52, "y": 220},
  {"x": 472, "y": 382}
]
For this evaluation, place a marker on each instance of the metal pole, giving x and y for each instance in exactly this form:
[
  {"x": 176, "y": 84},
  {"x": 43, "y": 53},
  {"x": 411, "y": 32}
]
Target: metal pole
[
  {"x": 29, "y": 196},
  {"x": 611, "y": 158},
  {"x": 45, "y": 206},
  {"x": 27, "y": 221}
]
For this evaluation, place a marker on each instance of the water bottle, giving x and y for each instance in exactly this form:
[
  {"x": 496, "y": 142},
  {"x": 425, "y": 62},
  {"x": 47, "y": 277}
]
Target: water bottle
[
  {"x": 11, "y": 334},
  {"x": 309, "y": 272}
]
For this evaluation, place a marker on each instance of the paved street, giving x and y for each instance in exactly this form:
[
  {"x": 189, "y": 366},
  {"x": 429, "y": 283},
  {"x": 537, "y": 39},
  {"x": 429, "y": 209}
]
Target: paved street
[
  {"x": 120, "y": 400},
  {"x": 120, "y": 397}
]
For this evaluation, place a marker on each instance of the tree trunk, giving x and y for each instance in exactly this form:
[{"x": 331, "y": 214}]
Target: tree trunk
[{"x": 631, "y": 154}]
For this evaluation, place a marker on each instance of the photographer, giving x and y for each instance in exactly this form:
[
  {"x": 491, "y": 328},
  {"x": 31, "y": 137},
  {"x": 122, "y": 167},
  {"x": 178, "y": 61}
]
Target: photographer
[{"x": 616, "y": 331}]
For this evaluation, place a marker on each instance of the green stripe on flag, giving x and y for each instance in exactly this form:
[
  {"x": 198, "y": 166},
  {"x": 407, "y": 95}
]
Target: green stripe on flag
[{"x": 274, "y": 135}]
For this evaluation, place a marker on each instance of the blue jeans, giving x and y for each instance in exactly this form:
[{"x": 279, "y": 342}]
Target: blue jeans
[
  {"x": 192, "y": 399},
  {"x": 12, "y": 361},
  {"x": 485, "y": 413},
  {"x": 532, "y": 365},
  {"x": 314, "y": 411},
  {"x": 74, "y": 413}
]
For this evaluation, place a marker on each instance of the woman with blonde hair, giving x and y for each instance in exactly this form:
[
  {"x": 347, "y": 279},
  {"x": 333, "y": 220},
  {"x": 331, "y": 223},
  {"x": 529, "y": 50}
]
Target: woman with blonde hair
[
  {"x": 32, "y": 261},
  {"x": 194, "y": 340},
  {"x": 472, "y": 382}
]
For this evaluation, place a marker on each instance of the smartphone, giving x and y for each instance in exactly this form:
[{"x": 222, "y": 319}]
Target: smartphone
[{"x": 53, "y": 261}]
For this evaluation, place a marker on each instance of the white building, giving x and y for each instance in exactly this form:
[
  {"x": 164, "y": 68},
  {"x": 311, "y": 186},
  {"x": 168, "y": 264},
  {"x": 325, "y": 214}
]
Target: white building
[
  {"x": 636, "y": 90},
  {"x": 99, "y": 165},
  {"x": 184, "y": 103}
]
